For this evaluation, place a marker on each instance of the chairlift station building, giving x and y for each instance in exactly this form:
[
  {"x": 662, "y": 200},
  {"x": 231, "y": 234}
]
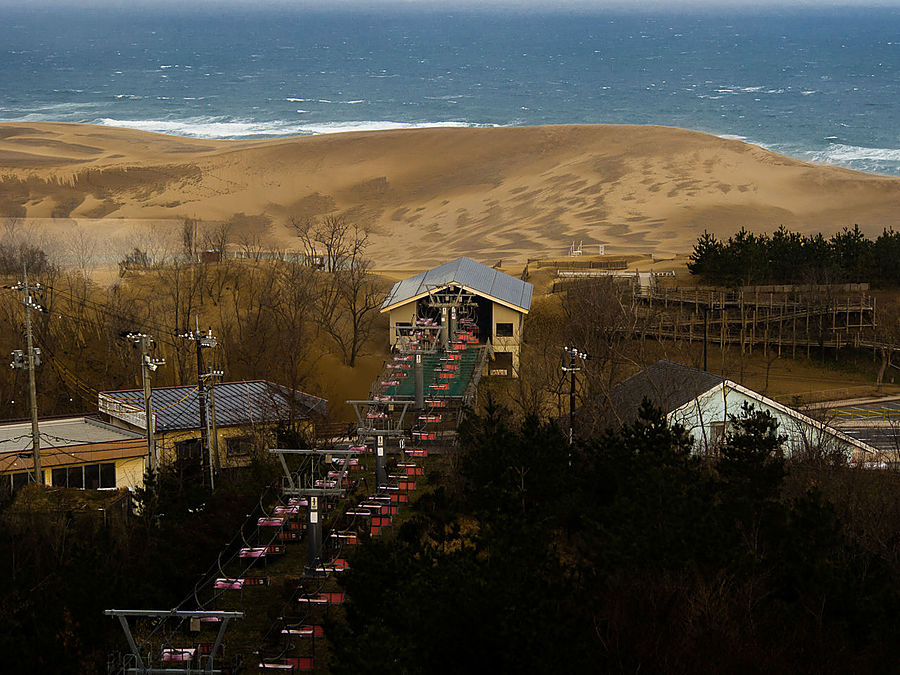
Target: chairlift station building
[{"x": 497, "y": 302}]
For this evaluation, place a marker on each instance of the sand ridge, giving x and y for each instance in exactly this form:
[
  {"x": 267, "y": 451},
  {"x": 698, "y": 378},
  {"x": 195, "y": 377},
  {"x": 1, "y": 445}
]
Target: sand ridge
[{"x": 432, "y": 194}]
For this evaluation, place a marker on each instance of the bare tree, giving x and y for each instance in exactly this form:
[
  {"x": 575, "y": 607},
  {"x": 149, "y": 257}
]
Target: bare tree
[
  {"x": 348, "y": 303},
  {"x": 190, "y": 238},
  {"x": 332, "y": 237}
]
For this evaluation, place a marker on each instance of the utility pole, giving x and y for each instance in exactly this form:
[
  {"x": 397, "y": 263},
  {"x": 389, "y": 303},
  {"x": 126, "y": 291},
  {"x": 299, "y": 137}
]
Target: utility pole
[
  {"x": 148, "y": 366},
  {"x": 211, "y": 428},
  {"x": 573, "y": 353},
  {"x": 29, "y": 360},
  {"x": 203, "y": 341}
]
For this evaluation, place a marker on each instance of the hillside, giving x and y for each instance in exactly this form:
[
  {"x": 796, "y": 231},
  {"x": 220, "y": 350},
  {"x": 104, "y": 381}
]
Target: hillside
[{"x": 489, "y": 193}]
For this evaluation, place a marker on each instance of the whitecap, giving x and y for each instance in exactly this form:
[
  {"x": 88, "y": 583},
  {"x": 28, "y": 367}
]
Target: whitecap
[
  {"x": 840, "y": 153},
  {"x": 217, "y": 127}
]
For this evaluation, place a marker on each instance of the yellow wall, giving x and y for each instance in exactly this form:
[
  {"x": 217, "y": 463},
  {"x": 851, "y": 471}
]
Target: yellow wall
[
  {"x": 501, "y": 313},
  {"x": 402, "y": 314},
  {"x": 130, "y": 472},
  {"x": 504, "y": 314},
  {"x": 165, "y": 443}
]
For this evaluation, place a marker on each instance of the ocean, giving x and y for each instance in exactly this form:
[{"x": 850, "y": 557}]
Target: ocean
[{"x": 820, "y": 85}]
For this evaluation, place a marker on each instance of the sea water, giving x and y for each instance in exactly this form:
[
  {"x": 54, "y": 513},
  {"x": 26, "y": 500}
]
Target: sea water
[{"x": 816, "y": 84}]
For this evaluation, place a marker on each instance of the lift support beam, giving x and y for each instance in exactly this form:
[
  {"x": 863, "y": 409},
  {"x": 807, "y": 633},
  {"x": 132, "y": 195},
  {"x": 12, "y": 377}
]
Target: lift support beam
[{"x": 146, "y": 669}]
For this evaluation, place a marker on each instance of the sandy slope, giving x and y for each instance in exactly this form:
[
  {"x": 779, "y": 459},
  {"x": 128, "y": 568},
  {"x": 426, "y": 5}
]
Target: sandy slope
[{"x": 432, "y": 194}]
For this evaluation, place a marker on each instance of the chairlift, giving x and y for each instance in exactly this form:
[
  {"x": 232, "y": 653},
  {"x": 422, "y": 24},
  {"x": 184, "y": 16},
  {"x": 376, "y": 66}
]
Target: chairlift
[{"x": 271, "y": 522}]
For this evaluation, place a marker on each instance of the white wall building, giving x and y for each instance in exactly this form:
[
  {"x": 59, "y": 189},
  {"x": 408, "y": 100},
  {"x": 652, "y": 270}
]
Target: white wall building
[{"x": 705, "y": 404}]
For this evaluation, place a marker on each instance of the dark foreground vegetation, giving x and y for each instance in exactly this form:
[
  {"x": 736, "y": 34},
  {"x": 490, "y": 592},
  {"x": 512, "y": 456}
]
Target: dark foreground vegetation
[
  {"x": 619, "y": 554},
  {"x": 793, "y": 258},
  {"x": 63, "y": 564},
  {"x": 629, "y": 555}
]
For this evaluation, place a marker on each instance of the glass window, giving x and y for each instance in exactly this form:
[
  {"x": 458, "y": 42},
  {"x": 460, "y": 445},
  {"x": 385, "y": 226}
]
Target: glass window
[
  {"x": 239, "y": 446},
  {"x": 108, "y": 475},
  {"x": 188, "y": 451},
  {"x": 59, "y": 477},
  {"x": 504, "y": 330},
  {"x": 92, "y": 476},
  {"x": 76, "y": 477},
  {"x": 19, "y": 480}
]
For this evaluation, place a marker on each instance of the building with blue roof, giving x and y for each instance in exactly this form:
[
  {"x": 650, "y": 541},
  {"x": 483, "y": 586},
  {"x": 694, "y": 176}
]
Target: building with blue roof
[
  {"x": 241, "y": 417},
  {"x": 498, "y": 303}
]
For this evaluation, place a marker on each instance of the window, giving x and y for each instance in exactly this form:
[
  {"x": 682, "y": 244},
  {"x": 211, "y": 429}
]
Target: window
[
  {"x": 716, "y": 433},
  {"x": 187, "y": 451},
  {"x": 75, "y": 477},
  {"x": 108, "y": 475},
  {"x": 90, "y": 476},
  {"x": 504, "y": 330},
  {"x": 20, "y": 480},
  {"x": 239, "y": 446},
  {"x": 501, "y": 365}
]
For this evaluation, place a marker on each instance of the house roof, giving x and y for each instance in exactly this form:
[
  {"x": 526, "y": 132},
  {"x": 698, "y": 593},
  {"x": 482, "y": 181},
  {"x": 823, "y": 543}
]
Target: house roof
[
  {"x": 235, "y": 404},
  {"x": 62, "y": 433},
  {"x": 671, "y": 386},
  {"x": 668, "y": 386},
  {"x": 465, "y": 272}
]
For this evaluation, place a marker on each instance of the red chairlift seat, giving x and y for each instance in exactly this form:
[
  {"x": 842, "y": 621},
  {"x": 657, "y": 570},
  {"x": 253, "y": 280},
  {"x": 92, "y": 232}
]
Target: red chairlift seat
[
  {"x": 417, "y": 452},
  {"x": 313, "y": 631},
  {"x": 335, "y": 567},
  {"x": 346, "y": 537},
  {"x": 287, "y": 510},
  {"x": 327, "y": 598},
  {"x": 256, "y": 581},
  {"x": 206, "y": 648},
  {"x": 298, "y": 501},
  {"x": 291, "y": 664},
  {"x": 227, "y": 584},
  {"x": 178, "y": 654},
  {"x": 253, "y": 552},
  {"x": 270, "y": 522}
]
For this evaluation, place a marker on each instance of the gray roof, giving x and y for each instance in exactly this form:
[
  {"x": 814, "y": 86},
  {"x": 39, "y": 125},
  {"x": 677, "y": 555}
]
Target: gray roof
[
  {"x": 61, "y": 433},
  {"x": 236, "y": 404},
  {"x": 666, "y": 384},
  {"x": 481, "y": 279}
]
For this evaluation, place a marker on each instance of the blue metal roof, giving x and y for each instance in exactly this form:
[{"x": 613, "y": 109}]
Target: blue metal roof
[
  {"x": 235, "y": 404},
  {"x": 481, "y": 279}
]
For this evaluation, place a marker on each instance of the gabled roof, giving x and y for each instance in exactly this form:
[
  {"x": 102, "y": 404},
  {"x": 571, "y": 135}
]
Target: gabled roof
[
  {"x": 465, "y": 272},
  {"x": 672, "y": 386},
  {"x": 236, "y": 404},
  {"x": 667, "y": 384}
]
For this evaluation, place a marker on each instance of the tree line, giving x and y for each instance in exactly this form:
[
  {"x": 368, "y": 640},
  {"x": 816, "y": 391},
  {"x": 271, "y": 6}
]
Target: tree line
[
  {"x": 628, "y": 553},
  {"x": 275, "y": 317},
  {"x": 788, "y": 257}
]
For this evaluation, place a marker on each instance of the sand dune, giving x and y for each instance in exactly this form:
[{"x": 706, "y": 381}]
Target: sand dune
[{"x": 432, "y": 194}]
